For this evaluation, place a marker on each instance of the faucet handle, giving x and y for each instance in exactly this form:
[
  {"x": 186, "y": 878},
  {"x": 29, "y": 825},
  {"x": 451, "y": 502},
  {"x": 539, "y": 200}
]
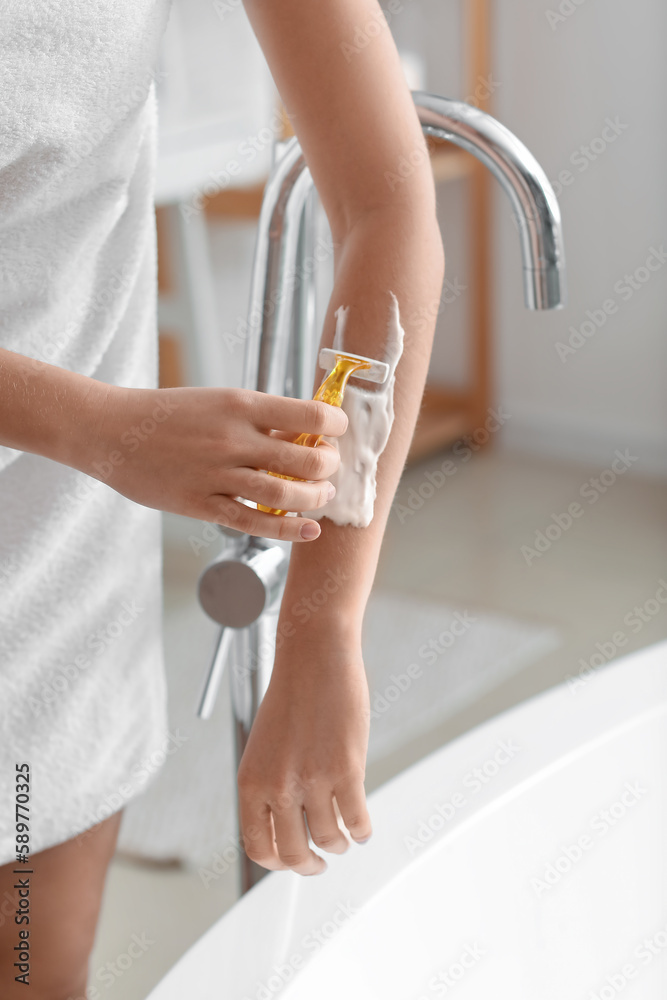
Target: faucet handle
[
  {"x": 237, "y": 587},
  {"x": 235, "y": 590}
]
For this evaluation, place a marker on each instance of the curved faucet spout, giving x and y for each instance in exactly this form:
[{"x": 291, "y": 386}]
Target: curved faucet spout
[
  {"x": 290, "y": 182},
  {"x": 535, "y": 207}
]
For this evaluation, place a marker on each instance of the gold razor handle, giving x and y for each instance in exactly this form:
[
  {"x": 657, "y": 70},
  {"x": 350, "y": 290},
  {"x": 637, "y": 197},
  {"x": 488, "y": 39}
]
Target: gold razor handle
[{"x": 331, "y": 391}]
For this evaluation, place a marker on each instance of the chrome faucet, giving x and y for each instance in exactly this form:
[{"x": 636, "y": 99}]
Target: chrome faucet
[{"x": 241, "y": 589}]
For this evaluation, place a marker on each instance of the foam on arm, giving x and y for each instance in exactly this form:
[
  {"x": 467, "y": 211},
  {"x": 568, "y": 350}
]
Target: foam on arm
[{"x": 371, "y": 415}]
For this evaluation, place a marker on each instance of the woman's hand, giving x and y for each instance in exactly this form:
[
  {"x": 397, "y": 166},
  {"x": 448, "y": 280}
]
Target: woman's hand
[
  {"x": 193, "y": 451},
  {"x": 307, "y": 754}
]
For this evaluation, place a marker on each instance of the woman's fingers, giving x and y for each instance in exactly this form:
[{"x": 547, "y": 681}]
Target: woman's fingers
[
  {"x": 222, "y": 509},
  {"x": 258, "y": 833},
  {"x": 272, "y": 491},
  {"x": 296, "y": 415},
  {"x": 288, "y": 459},
  {"x": 323, "y": 824},
  {"x": 351, "y": 799},
  {"x": 276, "y": 837},
  {"x": 292, "y": 841}
]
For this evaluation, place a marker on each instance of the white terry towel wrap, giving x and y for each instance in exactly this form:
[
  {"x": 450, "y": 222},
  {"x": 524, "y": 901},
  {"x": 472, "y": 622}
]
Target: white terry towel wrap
[{"x": 82, "y": 684}]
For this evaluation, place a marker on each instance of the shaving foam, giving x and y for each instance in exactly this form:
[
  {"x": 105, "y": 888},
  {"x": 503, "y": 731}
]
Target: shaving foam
[{"x": 371, "y": 415}]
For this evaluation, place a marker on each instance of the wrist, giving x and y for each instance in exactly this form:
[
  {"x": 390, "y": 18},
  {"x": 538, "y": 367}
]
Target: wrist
[
  {"x": 82, "y": 443},
  {"x": 317, "y": 649}
]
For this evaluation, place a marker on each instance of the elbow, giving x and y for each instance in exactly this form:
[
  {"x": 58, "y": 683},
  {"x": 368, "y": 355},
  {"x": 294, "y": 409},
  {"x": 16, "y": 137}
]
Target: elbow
[{"x": 401, "y": 183}]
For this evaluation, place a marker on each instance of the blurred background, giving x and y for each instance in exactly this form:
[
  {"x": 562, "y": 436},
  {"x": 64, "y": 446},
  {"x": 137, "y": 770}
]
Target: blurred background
[{"x": 528, "y": 412}]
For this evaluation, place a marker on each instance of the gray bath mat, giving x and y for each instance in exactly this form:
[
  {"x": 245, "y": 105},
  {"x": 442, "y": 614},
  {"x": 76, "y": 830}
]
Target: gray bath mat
[{"x": 426, "y": 661}]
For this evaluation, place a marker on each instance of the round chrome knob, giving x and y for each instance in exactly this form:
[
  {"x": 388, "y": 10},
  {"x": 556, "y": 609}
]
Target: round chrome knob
[{"x": 235, "y": 589}]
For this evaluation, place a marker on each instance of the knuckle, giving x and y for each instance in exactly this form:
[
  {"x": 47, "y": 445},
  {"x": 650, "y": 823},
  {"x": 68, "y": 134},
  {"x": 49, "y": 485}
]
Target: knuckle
[
  {"x": 280, "y": 801},
  {"x": 238, "y": 516},
  {"x": 315, "y": 463},
  {"x": 249, "y": 399},
  {"x": 331, "y": 455},
  {"x": 280, "y": 461},
  {"x": 355, "y": 820},
  {"x": 279, "y": 490},
  {"x": 255, "y": 854},
  {"x": 247, "y": 782},
  {"x": 292, "y": 860},
  {"x": 317, "y": 415},
  {"x": 256, "y": 480},
  {"x": 218, "y": 512},
  {"x": 325, "y": 840},
  {"x": 288, "y": 529},
  {"x": 241, "y": 399},
  {"x": 343, "y": 419}
]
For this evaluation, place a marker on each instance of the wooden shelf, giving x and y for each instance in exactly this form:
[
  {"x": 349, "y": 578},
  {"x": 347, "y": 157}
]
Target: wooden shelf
[
  {"x": 235, "y": 203},
  {"x": 444, "y": 418},
  {"x": 448, "y": 162}
]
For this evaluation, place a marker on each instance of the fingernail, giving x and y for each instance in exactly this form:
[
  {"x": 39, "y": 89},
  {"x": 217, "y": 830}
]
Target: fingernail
[
  {"x": 332, "y": 492},
  {"x": 321, "y": 871},
  {"x": 310, "y": 530},
  {"x": 364, "y": 841}
]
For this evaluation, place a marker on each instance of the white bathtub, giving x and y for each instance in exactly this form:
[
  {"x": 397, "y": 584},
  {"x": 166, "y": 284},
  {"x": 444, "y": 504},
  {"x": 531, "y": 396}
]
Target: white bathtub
[{"x": 542, "y": 878}]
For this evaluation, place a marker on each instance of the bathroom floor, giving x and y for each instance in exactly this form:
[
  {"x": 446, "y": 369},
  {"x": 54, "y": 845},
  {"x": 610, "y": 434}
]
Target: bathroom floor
[{"x": 473, "y": 544}]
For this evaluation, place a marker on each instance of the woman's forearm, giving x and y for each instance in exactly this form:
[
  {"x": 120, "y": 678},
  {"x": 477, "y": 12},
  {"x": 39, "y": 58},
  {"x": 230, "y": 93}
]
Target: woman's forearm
[
  {"x": 390, "y": 250},
  {"x": 46, "y": 410},
  {"x": 339, "y": 74}
]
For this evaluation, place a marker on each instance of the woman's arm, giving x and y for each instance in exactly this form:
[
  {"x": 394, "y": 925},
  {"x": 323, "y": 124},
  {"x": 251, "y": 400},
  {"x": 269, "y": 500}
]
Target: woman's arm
[
  {"x": 188, "y": 450},
  {"x": 339, "y": 75}
]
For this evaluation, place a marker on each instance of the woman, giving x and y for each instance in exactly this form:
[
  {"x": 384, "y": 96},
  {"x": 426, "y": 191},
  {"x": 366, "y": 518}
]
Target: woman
[{"x": 91, "y": 451}]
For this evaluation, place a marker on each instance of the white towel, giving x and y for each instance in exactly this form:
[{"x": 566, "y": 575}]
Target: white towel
[{"x": 82, "y": 689}]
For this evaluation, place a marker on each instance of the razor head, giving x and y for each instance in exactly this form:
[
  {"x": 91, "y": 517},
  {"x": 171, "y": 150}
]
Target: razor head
[{"x": 378, "y": 371}]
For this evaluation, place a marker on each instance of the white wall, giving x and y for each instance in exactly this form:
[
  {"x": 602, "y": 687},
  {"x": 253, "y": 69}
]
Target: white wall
[{"x": 556, "y": 86}]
